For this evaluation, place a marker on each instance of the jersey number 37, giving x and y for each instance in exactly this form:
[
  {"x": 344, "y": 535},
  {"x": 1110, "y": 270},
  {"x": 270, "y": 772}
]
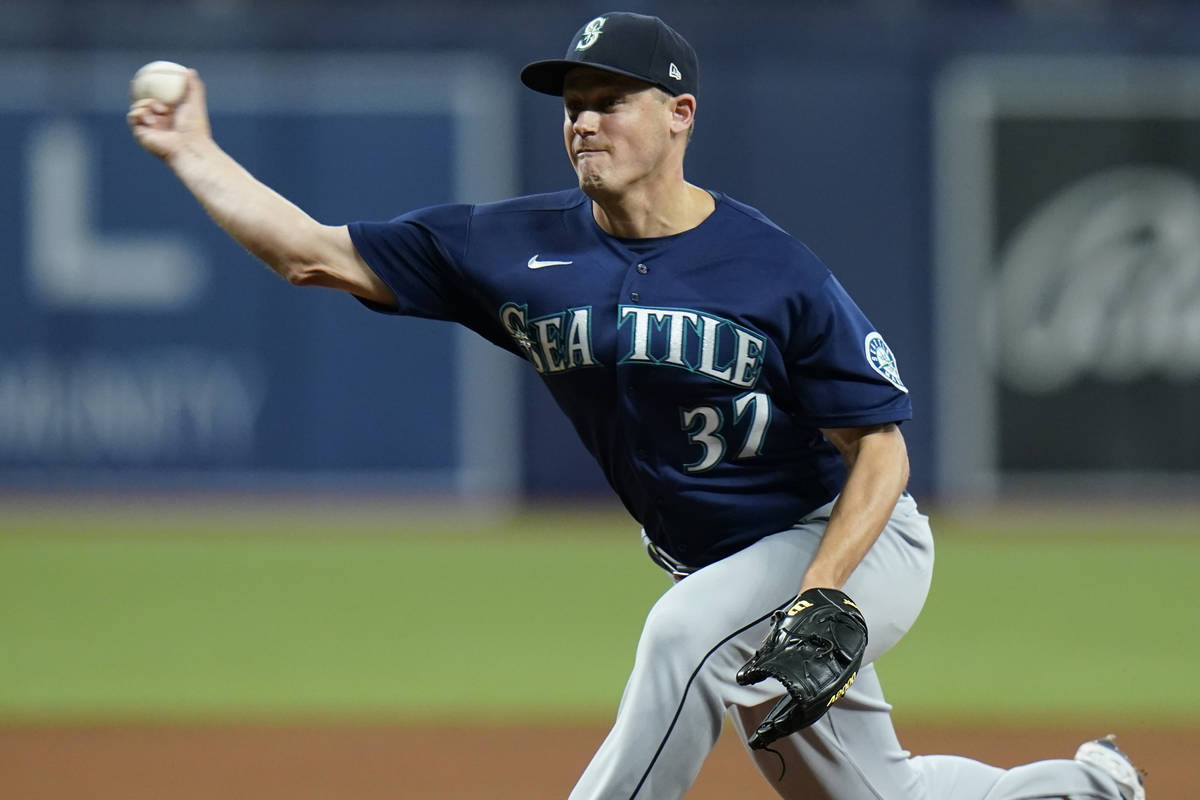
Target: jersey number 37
[{"x": 705, "y": 426}]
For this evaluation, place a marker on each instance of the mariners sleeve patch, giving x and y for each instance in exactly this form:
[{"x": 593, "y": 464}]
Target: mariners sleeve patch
[{"x": 881, "y": 359}]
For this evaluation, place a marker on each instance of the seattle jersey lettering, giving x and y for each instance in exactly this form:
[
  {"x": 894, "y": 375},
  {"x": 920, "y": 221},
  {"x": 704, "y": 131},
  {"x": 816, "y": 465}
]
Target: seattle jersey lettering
[
  {"x": 693, "y": 341},
  {"x": 553, "y": 343}
]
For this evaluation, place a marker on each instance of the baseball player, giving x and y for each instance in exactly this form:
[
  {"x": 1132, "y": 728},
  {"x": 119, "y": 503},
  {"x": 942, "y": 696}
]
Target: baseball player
[{"x": 738, "y": 401}]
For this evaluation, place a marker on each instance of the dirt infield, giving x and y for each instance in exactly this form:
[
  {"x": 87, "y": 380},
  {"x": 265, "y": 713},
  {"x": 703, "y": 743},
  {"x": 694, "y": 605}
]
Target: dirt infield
[{"x": 414, "y": 763}]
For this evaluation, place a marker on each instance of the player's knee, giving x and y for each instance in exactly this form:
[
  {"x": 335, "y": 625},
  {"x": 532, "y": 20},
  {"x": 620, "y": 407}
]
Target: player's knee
[
  {"x": 668, "y": 630},
  {"x": 676, "y": 630}
]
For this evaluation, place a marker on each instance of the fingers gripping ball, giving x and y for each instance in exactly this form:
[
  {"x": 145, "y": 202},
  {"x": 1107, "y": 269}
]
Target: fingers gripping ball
[
  {"x": 160, "y": 80},
  {"x": 814, "y": 648}
]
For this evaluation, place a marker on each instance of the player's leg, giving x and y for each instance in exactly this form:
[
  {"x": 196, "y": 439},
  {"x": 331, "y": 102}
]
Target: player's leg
[
  {"x": 702, "y": 630},
  {"x": 849, "y": 754},
  {"x": 672, "y": 709},
  {"x": 852, "y": 753},
  {"x": 955, "y": 776}
]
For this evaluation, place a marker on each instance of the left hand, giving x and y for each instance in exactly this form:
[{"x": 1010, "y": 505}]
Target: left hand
[{"x": 814, "y": 649}]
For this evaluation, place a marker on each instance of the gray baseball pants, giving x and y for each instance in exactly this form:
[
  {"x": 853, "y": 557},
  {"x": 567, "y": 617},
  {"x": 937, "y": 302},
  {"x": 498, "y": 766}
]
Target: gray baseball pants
[{"x": 704, "y": 628}]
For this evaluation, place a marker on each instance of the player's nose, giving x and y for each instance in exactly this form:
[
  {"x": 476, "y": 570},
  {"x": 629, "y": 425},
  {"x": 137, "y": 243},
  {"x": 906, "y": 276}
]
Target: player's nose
[{"x": 586, "y": 123}]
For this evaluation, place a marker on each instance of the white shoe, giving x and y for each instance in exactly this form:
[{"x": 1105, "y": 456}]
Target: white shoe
[{"x": 1106, "y": 756}]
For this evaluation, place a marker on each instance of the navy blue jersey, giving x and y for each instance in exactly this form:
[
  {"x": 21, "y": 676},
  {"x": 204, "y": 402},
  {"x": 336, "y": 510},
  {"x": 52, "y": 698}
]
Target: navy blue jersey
[{"x": 696, "y": 368}]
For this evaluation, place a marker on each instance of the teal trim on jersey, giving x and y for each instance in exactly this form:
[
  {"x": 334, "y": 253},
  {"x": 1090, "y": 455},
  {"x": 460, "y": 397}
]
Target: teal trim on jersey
[
  {"x": 691, "y": 350},
  {"x": 564, "y": 345}
]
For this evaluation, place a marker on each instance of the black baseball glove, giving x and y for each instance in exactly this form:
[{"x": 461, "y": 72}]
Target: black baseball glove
[{"x": 814, "y": 649}]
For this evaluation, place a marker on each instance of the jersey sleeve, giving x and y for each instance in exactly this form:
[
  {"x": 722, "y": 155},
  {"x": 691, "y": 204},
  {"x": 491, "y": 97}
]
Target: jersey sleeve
[
  {"x": 419, "y": 256},
  {"x": 843, "y": 374}
]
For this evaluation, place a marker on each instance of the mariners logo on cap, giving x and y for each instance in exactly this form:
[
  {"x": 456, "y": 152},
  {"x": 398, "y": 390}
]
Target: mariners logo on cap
[
  {"x": 881, "y": 359},
  {"x": 590, "y": 34}
]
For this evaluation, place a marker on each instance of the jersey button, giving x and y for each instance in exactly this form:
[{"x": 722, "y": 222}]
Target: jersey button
[
  {"x": 635, "y": 297},
  {"x": 642, "y": 269}
]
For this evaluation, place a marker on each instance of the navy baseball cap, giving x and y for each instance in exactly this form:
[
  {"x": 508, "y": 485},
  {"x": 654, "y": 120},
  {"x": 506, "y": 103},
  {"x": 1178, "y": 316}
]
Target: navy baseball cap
[{"x": 624, "y": 43}]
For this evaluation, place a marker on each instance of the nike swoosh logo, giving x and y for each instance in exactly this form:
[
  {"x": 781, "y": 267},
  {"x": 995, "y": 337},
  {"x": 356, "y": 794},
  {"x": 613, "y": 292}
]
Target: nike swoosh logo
[{"x": 535, "y": 264}]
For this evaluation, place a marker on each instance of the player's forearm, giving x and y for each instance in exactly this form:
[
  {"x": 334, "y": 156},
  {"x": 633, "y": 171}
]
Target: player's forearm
[
  {"x": 878, "y": 475},
  {"x": 268, "y": 225}
]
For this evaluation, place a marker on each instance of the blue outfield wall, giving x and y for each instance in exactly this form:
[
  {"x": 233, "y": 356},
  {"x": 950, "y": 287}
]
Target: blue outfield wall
[
  {"x": 821, "y": 115},
  {"x": 140, "y": 346}
]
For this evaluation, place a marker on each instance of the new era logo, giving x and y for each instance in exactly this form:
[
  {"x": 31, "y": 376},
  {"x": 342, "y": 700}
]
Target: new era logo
[{"x": 674, "y": 72}]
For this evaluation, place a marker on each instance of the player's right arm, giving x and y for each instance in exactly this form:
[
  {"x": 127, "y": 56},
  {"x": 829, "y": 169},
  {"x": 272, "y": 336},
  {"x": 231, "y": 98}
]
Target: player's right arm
[{"x": 283, "y": 236}]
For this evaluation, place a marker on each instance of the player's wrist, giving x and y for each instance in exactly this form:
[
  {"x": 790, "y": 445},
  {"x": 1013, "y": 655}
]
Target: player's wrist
[
  {"x": 194, "y": 151},
  {"x": 823, "y": 579}
]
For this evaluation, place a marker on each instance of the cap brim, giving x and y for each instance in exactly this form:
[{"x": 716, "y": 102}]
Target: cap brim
[{"x": 548, "y": 76}]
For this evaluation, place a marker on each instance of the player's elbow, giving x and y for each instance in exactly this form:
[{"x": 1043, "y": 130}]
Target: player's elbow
[
  {"x": 294, "y": 264},
  {"x": 308, "y": 273},
  {"x": 360, "y": 283},
  {"x": 300, "y": 254},
  {"x": 299, "y": 273},
  {"x": 305, "y": 262}
]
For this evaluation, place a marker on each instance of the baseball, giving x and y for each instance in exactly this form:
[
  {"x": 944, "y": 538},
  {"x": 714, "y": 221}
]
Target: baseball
[{"x": 160, "y": 80}]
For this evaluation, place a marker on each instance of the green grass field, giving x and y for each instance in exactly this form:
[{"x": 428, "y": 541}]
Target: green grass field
[{"x": 195, "y": 615}]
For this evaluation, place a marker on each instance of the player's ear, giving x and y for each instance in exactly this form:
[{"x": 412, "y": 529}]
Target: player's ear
[{"x": 683, "y": 111}]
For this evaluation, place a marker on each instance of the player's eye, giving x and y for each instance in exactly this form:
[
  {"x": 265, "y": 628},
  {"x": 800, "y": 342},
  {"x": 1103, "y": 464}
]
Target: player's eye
[{"x": 603, "y": 104}]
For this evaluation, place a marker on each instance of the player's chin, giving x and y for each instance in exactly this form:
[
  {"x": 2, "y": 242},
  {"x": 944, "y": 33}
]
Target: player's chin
[{"x": 591, "y": 182}]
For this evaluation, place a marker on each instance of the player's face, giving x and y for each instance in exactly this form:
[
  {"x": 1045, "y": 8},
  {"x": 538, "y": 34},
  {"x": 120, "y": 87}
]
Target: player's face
[{"x": 616, "y": 129}]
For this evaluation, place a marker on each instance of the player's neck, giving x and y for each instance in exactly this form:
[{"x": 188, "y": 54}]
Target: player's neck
[{"x": 645, "y": 215}]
